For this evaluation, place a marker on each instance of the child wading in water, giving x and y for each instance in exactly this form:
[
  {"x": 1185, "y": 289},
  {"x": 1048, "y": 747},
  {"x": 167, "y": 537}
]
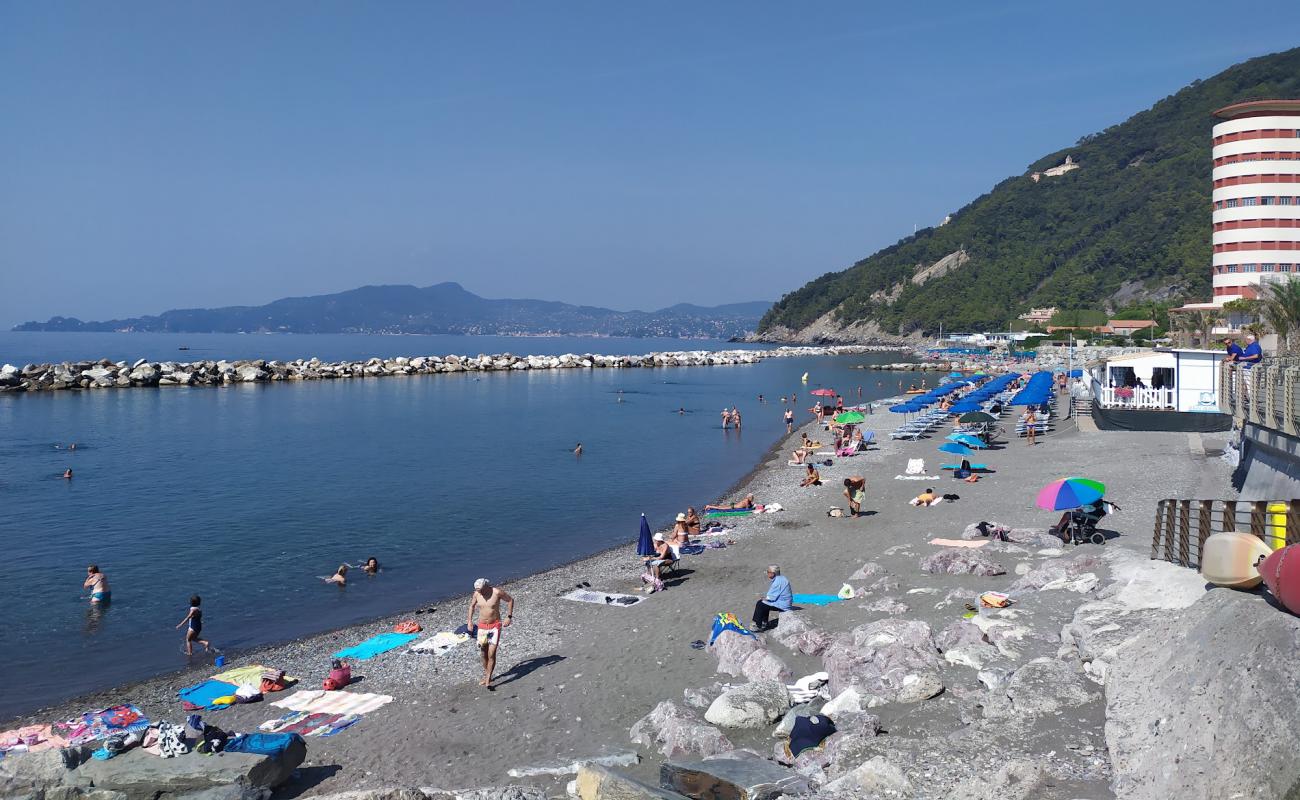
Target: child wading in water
[{"x": 195, "y": 619}]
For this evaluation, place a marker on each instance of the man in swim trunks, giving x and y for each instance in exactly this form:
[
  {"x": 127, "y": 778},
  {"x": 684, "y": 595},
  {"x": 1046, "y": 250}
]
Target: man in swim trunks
[
  {"x": 744, "y": 505},
  {"x": 855, "y": 489},
  {"x": 97, "y": 583},
  {"x": 487, "y": 599}
]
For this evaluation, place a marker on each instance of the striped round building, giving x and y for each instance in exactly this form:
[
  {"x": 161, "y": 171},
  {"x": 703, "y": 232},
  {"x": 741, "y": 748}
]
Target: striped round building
[{"x": 1256, "y": 196}]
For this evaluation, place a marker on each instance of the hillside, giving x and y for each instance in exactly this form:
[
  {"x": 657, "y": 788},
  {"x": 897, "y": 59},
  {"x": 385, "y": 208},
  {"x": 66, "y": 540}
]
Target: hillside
[
  {"x": 1131, "y": 223},
  {"x": 442, "y": 308}
]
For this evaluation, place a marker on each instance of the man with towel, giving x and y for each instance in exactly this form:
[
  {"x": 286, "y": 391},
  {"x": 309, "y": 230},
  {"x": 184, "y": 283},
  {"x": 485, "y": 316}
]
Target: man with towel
[{"x": 487, "y": 599}]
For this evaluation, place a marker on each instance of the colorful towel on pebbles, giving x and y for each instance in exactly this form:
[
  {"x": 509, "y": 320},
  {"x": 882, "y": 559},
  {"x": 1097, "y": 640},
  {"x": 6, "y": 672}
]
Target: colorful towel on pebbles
[
  {"x": 205, "y": 693},
  {"x": 602, "y": 598},
  {"x": 30, "y": 739},
  {"x": 439, "y": 643},
  {"x": 319, "y": 701},
  {"x": 247, "y": 676},
  {"x": 305, "y": 723},
  {"x": 376, "y": 645},
  {"x": 101, "y": 724}
]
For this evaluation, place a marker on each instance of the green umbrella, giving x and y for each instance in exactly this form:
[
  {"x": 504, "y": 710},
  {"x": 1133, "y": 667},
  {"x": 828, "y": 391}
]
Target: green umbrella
[
  {"x": 976, "y": 416},
  {"x": 850, "y": 416}
]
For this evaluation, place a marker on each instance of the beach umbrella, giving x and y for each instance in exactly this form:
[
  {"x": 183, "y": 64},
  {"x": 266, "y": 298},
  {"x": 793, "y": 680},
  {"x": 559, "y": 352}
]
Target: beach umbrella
[
  {"x": 963, "y": 406},
  {"x": 954, "y": 374},
  {"x": 971, "y": 441},
  {"x": 957, "y": 449},
  {"x": 823, "y": 392},
  {"x": 903, "y": 408},
  {"x": 976, "y": 416},
  {"x": 850, "y": 417},
  {"x": 1070, "y": 493},
  {"x": 644, "y": 543}
]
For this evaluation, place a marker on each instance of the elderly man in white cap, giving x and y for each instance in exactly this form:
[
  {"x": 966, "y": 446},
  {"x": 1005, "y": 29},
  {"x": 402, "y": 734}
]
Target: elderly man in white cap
[
  {"x": 663, "y": 554},
  {"x": 487, "y": 599}
]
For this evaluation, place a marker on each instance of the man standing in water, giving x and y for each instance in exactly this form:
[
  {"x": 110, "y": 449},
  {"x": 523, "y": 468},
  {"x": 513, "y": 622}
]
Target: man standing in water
[{"x": 487, "y": 599}]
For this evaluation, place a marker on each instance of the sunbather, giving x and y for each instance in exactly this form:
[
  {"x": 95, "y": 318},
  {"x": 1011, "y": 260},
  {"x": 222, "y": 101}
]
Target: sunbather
[
  {"x": 692, "y": 520},
  {"x": 799, "y": 456},
  {"x": 813, "y": 478},
  {"x": 745, "y": 504},
  {"x": 681, "y": 534},
  {"x": 926, "y": 498}
]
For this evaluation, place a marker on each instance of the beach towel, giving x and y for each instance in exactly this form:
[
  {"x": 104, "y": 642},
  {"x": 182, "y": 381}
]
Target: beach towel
[
  {"x": 30, "y": 739},
  {"x": 439, "y": 643},
  {"x": 602, "y": 598},
  {"x": 959, "y": 542},
  {"x": 727, "y": 621},
  {"x": 319, "y": 701},
  {"x": 376, "y": 645},
  {"x": 738, "y": 512},
  {"x": 262, "y": 744},
  {"x": 692, "y": 549},
  {"x": 248, "y": 676},
  {"x": 95, "y": 725},
  {"x": 816, "y": 599},
  {"x": 205, "y": 693}
]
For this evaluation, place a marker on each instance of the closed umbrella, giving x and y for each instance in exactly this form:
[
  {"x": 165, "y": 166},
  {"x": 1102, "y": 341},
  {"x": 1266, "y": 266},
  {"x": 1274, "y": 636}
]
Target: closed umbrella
[
  {"x": 644, "y": 543},
  {"x": 1070, "y": 493}
]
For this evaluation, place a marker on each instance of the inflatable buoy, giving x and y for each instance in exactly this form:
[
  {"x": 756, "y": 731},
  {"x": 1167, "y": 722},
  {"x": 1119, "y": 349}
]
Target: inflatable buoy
[
  {"x": 1230, "y": 559},
  {"x": 1281, "y": 574}
]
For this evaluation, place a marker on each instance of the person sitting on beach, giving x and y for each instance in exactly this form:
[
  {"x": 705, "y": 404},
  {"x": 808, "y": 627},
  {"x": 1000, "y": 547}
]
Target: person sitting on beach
[
  {"x": 745, "y": 504},
  {"x": 779, "y": 597},
  {"x": 926, "y": 498},
  {"x": 692, "y": 520},
  {"x": 813, "y": 478},
  {"x": 372, "y": 566},
  {"x": 663, "y": 554},
  {"x": 97, "y": 583},
  {"x": 855, "y": 490},
  {"x": 799, "y": 456},
  {"x": 340, "y": 576},
  {"x": 681, "y": 534}
]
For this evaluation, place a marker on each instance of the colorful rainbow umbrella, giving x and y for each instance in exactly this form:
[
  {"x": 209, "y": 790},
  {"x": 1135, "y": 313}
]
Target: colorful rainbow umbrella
[
  {"x": 1070, "y": 493},
  {"x": 850, "y": 417}
]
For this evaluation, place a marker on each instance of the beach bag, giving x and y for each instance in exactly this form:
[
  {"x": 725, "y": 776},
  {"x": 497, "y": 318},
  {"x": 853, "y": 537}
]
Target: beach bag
[
  {"x": 340, "y": 676},
  {"x": 407, "y": 626}
]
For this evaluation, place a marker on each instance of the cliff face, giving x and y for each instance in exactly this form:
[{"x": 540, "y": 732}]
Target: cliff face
[{"x": 1128, "y": 222}]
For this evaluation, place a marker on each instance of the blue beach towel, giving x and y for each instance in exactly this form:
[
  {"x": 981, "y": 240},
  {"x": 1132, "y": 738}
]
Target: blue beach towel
[
  {"x": 263, "y": 744},
  {"x": 202, "y": 694},
  {"x": 376, "y": 645},
  {"x": 816, "y": 599}
]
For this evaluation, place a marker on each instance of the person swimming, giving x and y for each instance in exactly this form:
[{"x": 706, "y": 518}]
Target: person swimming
[
  {"x": 577, "y": 451},
  {"x": 67, "y": 473},
  {"x": 372, "y": 566},
  {"x": 340, "y": 576}
]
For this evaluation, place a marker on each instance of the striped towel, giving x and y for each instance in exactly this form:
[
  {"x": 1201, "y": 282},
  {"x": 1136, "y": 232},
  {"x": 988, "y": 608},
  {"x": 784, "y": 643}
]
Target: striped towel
[{"x": 319, "y": 701}]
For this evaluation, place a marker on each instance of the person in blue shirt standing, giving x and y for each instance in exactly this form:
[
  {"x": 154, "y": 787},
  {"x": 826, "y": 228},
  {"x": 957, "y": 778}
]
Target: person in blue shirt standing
[
  {"x": 1251, "y": 354},
  {"x": 1234, "y": 350},
  {"x": 779, "y": 597}
]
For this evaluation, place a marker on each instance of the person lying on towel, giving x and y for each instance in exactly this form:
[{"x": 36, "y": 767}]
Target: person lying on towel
[
  {"x": 746, "y": 504},
  {"x": 926, "y": 498}
]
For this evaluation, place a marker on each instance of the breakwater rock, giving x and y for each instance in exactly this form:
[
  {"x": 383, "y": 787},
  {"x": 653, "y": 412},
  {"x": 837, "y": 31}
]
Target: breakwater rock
[{"x": 105, "y": 374}]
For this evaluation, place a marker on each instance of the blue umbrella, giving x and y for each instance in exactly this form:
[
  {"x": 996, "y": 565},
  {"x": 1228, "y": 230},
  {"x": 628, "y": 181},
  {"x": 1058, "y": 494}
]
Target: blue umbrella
[
  {"x": 962, "y": 406},
  {"x": 644, "y": 544},
  {"x": 971, "y": 441},
  {"x": 957, "y": 449}
]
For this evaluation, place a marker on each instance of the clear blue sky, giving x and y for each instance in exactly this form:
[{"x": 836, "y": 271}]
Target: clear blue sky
[{"x": 173, "y": 154}]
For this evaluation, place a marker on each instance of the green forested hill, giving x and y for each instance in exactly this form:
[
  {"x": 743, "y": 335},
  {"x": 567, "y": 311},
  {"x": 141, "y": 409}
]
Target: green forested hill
[{"x": 1132, "y": 223}]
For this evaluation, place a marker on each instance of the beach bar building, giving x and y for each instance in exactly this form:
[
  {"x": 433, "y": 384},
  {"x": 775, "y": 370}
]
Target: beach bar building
[{"x": 1165, "y": 389}]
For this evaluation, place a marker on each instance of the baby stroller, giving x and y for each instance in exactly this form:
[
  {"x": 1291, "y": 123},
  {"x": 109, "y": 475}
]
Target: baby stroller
[{"x": 1080, "y": 525}]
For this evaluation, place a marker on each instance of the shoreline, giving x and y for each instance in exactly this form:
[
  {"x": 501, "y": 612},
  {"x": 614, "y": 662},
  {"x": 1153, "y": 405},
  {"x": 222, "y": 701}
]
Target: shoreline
[
  {"x": 87, "y": 700},
  {"x": 142, "y": 373}
]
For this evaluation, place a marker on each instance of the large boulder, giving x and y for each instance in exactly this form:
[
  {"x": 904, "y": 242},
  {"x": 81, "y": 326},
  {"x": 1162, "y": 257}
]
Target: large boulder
[
  {"x": 144, "y": 374},
  {"x": 678, "y": 733},
  {"x": 961, "y": 561},
  {"x": 1200, "y": 704},
  {"x": 875, "y": 778},
  {"x": 1056, "y": 575},
  {"x": 891, "y": 660},
  {"x": 751, "y": 705},
  {"x": 795, "y": 632},
  {"x": 1043, "y": 686},
  {"x": 1018, "y": 779},
  {"x": 765, "y": 665},
  {"x": 731, "y": 649}
]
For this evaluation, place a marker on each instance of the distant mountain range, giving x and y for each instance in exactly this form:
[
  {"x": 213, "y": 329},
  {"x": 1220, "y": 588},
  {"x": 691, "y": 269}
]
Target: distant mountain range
[{"x": 442, "y": 308}]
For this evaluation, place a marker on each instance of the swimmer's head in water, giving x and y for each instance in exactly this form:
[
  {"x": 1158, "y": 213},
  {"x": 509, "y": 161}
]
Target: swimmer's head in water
[
  {"x": 480, "y": 583},
  {"x": 92, "y": 569},
  {"x": 342, "y": 570}
]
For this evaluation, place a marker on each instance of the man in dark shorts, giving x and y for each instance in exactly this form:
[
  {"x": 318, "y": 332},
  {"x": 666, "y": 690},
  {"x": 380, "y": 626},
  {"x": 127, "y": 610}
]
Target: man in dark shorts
[{"x": 487, "y": 599}]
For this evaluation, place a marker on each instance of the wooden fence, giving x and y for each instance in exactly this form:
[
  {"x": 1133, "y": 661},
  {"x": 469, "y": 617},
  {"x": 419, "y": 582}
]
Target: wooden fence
[
  {"x": 1267, "y": 394},
  {"x": 1182, "y": 526}
]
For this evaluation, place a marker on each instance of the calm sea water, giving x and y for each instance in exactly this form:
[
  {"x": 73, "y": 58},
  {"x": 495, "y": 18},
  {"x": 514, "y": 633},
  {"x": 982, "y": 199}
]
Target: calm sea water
[{"x": 246, "y": 494}]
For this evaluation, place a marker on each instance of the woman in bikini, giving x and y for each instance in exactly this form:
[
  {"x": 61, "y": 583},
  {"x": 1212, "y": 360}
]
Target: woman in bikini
[{"x": 97, "y": 583}]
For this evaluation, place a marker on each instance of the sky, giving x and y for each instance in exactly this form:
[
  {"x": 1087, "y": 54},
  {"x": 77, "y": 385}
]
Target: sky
[{"x": 158, "y": 155}]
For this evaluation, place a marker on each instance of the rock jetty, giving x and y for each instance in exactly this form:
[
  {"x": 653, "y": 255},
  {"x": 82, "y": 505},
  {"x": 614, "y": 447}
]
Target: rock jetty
[{"x": 105, "y": 374}]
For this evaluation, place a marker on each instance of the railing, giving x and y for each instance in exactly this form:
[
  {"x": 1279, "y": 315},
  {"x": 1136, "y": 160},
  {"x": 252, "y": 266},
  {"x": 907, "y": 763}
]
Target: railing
[
  {"x": 1125, "y": 397},
  {"x": 1267, "y": 394},
  {"x": 1182, "y": 526}
]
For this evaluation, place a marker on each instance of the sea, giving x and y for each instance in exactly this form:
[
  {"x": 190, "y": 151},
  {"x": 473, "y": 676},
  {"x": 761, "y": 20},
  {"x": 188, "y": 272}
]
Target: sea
[{"x": 247, "y": 495}]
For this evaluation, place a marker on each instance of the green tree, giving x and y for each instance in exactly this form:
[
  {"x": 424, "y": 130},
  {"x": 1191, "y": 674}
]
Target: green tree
[{"x": 1280, "y": 309}]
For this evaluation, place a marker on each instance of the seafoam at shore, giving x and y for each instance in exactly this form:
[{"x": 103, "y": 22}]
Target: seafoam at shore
[{"x": 106, "y": 374}]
